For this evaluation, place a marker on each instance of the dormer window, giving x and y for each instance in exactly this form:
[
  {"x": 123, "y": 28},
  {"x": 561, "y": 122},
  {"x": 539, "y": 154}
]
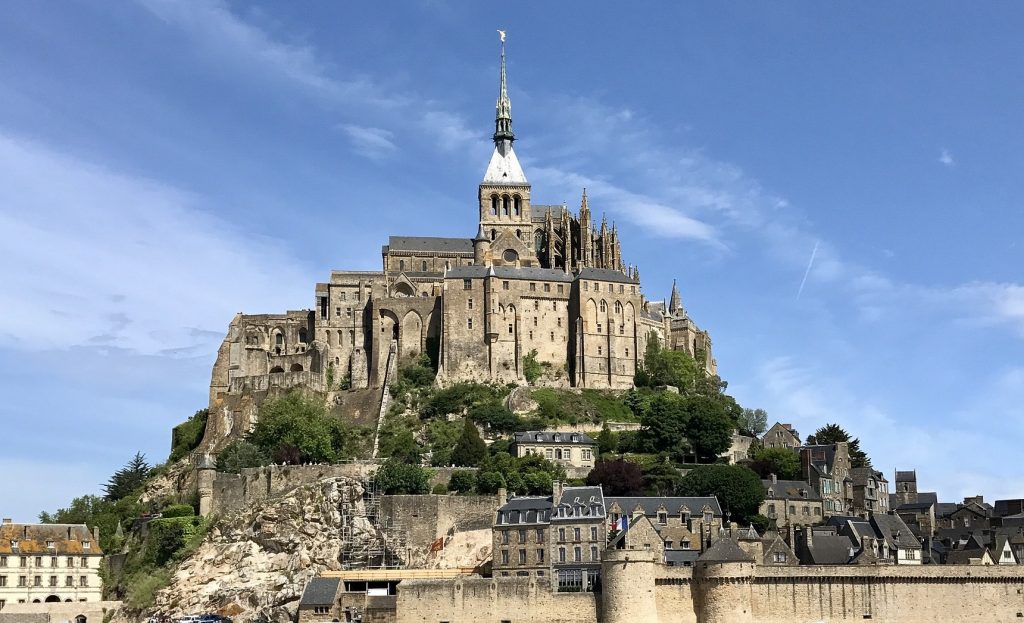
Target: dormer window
[
  {"x": 50, "y": 545},
  {"x": 557, "y": 437},
  {"x": 539, "y": 437},
  {"x": 686, "y": 543},
  {"x": 86, "y": 545},
  {"x": 14, "y": 544},
  {"x": 575, "y": 438}
]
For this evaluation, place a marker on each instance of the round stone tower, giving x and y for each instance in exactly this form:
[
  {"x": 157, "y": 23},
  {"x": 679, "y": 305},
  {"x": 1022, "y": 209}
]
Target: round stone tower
[
  {"x": 206, "y": 472},
  {"x": 723, "y": 578},
  {"x": 627, "y": 585}
]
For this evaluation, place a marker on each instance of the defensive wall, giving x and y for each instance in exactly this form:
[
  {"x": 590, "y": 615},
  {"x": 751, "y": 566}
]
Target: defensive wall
[
  {"x": 636, "y": 588},
  {"x": 222, "y": 494},
  {"x": 429, "y": 519}
]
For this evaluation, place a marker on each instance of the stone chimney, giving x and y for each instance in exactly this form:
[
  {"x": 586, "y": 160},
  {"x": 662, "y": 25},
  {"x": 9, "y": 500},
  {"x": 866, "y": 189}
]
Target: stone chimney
[
  {"x": 556, "y": 492},
  {"x": 502, "y": 496},
  {"x": 96, "y": 535},
  {"x": 775, "y": 479}
]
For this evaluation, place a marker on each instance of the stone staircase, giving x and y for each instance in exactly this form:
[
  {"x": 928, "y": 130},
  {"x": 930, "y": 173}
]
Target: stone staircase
[{"x": 385, "y": 398}]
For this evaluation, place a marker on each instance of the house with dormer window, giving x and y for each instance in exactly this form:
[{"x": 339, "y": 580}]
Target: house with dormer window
[{"x": 576, "y": 451}]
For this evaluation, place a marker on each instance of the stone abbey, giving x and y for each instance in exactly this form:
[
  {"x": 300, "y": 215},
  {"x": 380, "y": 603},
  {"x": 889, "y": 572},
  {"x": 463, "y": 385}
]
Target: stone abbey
[{"x": 533, "y": 278}]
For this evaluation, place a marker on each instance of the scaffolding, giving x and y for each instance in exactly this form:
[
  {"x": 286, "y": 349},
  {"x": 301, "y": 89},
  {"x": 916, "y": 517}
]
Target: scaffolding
[{"x": 376, "y": 543}]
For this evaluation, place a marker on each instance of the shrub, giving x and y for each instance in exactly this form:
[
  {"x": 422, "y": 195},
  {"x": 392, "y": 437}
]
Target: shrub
[
  {"x": 490, "y": 482},
  {"x": 738, "y": 489},
  {"x": 495, "y": 417},
  {"x": 532, "y": 369},
  {"x": 440, "y": 489},
  {"x": 395, "y": 477},
  {"x": 297, "y": 429},
  {"x": 177, "y": 510},
  {"x": 617, "y": 477},
  {"x": 463, "y": 481},
  {"x": 397, "y": 440}
]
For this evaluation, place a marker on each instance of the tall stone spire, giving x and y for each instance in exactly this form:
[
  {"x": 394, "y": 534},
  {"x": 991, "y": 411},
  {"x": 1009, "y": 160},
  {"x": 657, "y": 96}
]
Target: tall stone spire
[
  {"x": 674, "y": 304},
  {"x": 503, "y": 116}
]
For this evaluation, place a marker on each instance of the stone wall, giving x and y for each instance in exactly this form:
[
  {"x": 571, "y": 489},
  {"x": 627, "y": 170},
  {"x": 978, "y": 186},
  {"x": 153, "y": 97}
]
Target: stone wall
[
  {"x": 234, "y": 492},
  {"x": 57, "y": 612},
  {"x": 476, "y": 600},
  {"x": 431, "y": 522}
]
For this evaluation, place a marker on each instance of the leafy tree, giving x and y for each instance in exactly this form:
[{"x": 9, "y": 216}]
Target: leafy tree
[
  {"x": 782, "y": 462},
  {"x": 761, "y": 523},
  {"x": 834, "y": 433},
  {"x": 463, "y": 481},
  {"x": 470, "y": 450},
  {"x": 500, "y": 445},
  {"x": 662, "y": 366},
  {"x": 495, "y": 417},
  {"x": 442, "y": 436},
  {"x": 628, "y": 442},
  {"x": 617, "y": 477},
  {"x": 128, "y": 479},
  {"x": 532, "y": 369},
  {"x": 397, "y": 440},
  {"x": 532, "y": 474},
  {"x": 607, "y": 441},
  {"x": 418, "y": 373},
  {"x": 397, "y": 478},
  {"x": 239, "y": 455},
  {"x": 488, "y": 483},
  {"x": 661, "y": 479},
  {"x": 708, "y": 427},
  {"x": 664, "y": 424},
  {"x": 297, "y": 429},
  {"x": 753, "y": 422},
  {"x": 738, "y": 489}
]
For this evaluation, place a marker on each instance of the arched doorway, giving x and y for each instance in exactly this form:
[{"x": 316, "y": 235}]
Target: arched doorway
[
  {"x": 296, "y": 367},
  {"x": 52, "y": 599},
  {"x": 411, "y": 335},
  {"x": 81, "y": 619}
]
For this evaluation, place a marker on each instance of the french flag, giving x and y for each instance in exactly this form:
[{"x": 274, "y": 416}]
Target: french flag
[{"x": 620, "y": 524}]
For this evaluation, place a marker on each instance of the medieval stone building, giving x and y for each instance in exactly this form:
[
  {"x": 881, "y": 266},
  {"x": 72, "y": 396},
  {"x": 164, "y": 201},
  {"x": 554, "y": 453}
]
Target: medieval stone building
[{"x": 533, "y": 278}]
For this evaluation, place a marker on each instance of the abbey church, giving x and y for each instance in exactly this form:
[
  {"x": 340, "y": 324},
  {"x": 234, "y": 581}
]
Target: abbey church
[{"x": 533, "y": 277}]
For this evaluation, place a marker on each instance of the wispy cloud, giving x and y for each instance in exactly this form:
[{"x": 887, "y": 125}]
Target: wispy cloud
[
  {"x": 807, "y": 272},
  {"x": 946, "y": 158},
  {"x": 373, "y": 143},
  {"x": 96, "y": 258}
]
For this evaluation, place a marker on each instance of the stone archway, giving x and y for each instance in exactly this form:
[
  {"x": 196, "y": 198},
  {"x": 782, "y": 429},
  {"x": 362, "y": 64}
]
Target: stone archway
[
  {"x": 410, "y": 339},
  {"x": 52, "y": 599}
]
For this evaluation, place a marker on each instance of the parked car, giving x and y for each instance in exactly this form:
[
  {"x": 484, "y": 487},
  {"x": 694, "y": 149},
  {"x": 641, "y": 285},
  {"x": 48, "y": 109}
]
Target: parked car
[
  {"x": 213, "y": 618},
  {"x": 189, "y": 618}
]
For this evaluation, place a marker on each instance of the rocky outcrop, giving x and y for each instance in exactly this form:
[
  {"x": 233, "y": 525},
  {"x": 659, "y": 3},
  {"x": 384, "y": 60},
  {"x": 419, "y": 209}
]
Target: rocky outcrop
[{"x": 255, "y": 564}]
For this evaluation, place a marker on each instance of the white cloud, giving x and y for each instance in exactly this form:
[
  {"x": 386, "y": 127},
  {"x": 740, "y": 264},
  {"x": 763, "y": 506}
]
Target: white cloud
[
  {"x": 451, "y": 130},
  {"x": 946, "y": 158},
  {"x": 374, "y": 143},
  {"x": 95, "y": 258}
]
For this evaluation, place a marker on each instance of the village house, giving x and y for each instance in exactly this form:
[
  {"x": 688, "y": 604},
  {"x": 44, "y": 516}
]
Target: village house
[
  {"x": 791, "y": 502},
  {"x": 781, "y": 436},
  {"x": 49, "y": 563},
  {"x": 575, "y": 451},
  {"x": 870, "y": 491},
  {"x": 827, "y": 469}
]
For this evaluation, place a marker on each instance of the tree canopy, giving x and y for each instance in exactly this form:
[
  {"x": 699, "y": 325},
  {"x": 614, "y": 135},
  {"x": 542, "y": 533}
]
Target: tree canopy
[
  {"x": 782, "y": 462},
  {"x": 738, "y": 489},
  {"x": 709, "y": 428},
  {"x": 128, "y": 479},
  {"x": 617, "y": 477},
  {"x": 297, "y": 429},
  {"x": 834, "y": 433},
  {"x": 397, "y": 478},
  {"x": 753, "y": 422},
  {"x": 470, "y": 449},
  {"x": 239, "y": 455}
]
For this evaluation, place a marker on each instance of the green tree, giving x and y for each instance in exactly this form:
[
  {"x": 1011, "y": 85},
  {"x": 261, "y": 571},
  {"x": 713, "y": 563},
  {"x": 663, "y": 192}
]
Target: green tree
[
  {"x": 239, "y": 455},
  {"x": 708, "y": 427},
  {"x": 532, "y": 369},
  {"x": 297, "y": 429},
  {"x": 617, "y": 477},
  {"x": 761, "y": 523},
  {"x": 495, "y": 417},
  {"x": 607, "y": 441},
  {"x": 664, "y": 424},
  {"x": 398, "y": 440},
  {"x": 128, "y": 479},
  {"x": 738, "y": 489},
  {"x": 782, "y": 462},
  {"x": 470, "y": 450},
  {"x": 753, "y": 422},
  {"x": 662, "y": 366},
  {"x": 834, "y": 433},
  {"x": 488, "y": 483},
  {"x": 463, "y": 481},
  {"x": 442, "y": 436},
  {"x": 661, "y": 479},
  {"x": 397, "y": 478}
]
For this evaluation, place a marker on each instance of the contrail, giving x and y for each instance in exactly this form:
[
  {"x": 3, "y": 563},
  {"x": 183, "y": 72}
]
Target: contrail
[{"x": 810, "y": 263}]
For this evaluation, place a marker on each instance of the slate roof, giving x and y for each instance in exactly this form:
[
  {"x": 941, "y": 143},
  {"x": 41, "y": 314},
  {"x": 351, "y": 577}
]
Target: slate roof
[
  {"x": 725, "y": 550},
  {"x": 580, "y": 502},
  {"x": 789, "y": 490},
  {"x": 320, "y": 592},
  {"x": 860, "y": 475},
  {"x": 671, "y": 504},
  {"x": 682, "y": 557},
  {"x": 928, "y": 496},
  {"x": 964, "y": 556},
  {"x": 31, "y": 539},
  {"x": 509, "y": 272},
  {"x": 910, "y": 476},
  {"x": 539, "y": 212},
  {"x": 535, "y": 436},
  {"x": 525, "y": 510},
  {"x": 425, "y": 243},
  {"x": 945, "y": 509},
  {"x": 918, "y": 507},
  {"x": 604, "y": 274},
  {"x": 895, "y": 532},
  {"x": 504, "y": 167},
  {"x": 830, "y": 549}
]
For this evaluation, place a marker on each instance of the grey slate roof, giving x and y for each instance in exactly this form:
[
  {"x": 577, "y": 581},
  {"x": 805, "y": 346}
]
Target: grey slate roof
[
  {"x": 604, "y": 274},
  {"x": 671, "y": 504},
  {"x": 510, "y": 272},
  {"x": 725, "y": 550},
  {"x": 320, "y": 592},
  {"x": 580, "y": 502},
  {"x": 789, "y": 490},
  {"x": 525, "y": 510},
  {"x": 681, "y": 557},
  {"x": 830, "y": 549},
  {"x": 539, "y": 212},
  {"x": 534, "y": 436},
  {"x": 424, "y": 243},
  {"x": 914, "y": 508},
  {"x": 860, "y": 475},
  {"x": 910, "y": 476},
  {"x": 895, "y": 532}
]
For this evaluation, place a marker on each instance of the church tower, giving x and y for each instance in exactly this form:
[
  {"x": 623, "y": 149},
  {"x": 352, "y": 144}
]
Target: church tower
[{"x": 504, "y": 195}]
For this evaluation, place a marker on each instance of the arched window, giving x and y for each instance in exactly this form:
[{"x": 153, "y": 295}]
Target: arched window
[
  {"x": 296, "y": 367},
  {"x": 494, "y": 205},
  {"x": 504, "y": 205},
  {"x": 538, "y": 241},
  {"x": 401, "y": 264},
  {"x": 519, "y": 234},
  {"x": 423, "y": 266},
  {"x": 276, "y": 370},
  {"x": 302, "y": 336},
  {"x": 604, "y": 307},
  {"x": 618, "y": 307},
  {"x": 517, "y": 205}
]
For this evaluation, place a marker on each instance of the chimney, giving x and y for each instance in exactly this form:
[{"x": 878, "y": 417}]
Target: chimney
[
  {"x": 96, "y": 535},
  {"x": 556, "y": 491},
  {"x": 809, "y": 531},
  {"x": 502, "y": 496},
  {"x": 775, "y": 479}
]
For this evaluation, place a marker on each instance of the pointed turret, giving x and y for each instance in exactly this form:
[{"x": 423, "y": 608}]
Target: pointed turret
[
  {"x": 675, "y": 304},
  {"x": 503, "y": 109}
]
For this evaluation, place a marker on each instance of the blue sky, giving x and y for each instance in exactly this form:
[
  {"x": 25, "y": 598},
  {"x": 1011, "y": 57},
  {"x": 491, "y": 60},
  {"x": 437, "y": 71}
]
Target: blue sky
[{"x": 164, "y": 165}]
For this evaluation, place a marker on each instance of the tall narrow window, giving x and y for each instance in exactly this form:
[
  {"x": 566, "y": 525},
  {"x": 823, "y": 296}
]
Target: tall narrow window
[
  {"x": 494, "y": 205},
  {"x": 504, "y": 205},
  {"x": 423, "y": 266},
  {"x": 517, "y": 205}
]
